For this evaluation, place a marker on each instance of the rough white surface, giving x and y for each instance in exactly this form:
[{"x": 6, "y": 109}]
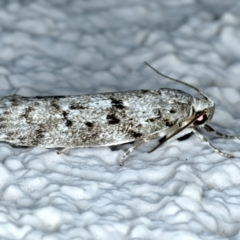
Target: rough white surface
[{"x": 183, "y": 190}]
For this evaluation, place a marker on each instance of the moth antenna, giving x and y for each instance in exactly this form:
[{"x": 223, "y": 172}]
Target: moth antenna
[{"x": 179, "y": 81}]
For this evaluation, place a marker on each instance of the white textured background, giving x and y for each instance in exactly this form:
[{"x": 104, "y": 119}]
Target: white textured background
[{"x": 183, "y": 190}]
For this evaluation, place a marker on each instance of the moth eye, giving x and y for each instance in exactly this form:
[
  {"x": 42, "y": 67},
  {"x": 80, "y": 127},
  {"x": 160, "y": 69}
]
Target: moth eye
[{"x": 201, "y": 119}]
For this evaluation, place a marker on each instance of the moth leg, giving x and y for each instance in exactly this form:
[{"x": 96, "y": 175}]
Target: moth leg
[
  {"x": 129, "y": 151},
  {"x": 63, "y": 150},
  {"x": 210, "y": 129},
  {"x": 205, "y": 141}
]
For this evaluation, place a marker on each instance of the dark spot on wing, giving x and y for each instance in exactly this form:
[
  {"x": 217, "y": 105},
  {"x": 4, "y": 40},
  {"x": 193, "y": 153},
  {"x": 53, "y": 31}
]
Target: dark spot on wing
[
  {"x": 53, "y": 97},
  {"x": 76, "y": 107},
  {"x": 26, "y": 114},
  {"x": 143, "y": 91},
  {"x": 172, "y": 111},
  {"x": 36, "y": 138},
  {"x": 35, "y": 142},
  {"x": 22, "y": 139},
  {"x": 117, "y": 103},
  {"x": 2, "y": 119},
  {"x": 6, "y": 113},
  {"x": 40, "y": 97},
  {"x": 59, "y": 97},
  {"x": 135, "y": 134},
  {"x": 65, "y": 114},
  {"x": 112, "y": 119},
  {"x": 151, "y": 119},
  {"x": 55, "y": 105},
  {"x": 39, "y": 133},
  {"x": 68, "y": 122},
  {"x": 40, "y": 136},
  {"x": 14, "y": 101},
  {"x": 89, "y": 124},
  {"x": 168, "y": 124}
]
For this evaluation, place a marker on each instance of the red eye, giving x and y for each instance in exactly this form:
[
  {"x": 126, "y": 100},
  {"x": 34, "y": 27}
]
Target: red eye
[{"x": 201, "y": 119}]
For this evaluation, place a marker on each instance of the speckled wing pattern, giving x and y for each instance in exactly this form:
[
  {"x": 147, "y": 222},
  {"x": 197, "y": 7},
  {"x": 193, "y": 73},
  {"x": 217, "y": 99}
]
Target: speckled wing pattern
[{"x": 101, "y": 119}]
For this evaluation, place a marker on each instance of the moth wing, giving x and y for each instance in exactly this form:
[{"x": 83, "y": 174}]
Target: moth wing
[{"x": 90, "y": 120}]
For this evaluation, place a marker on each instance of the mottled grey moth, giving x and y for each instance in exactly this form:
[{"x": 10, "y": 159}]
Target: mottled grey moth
[{"x": 106, "y": 119}]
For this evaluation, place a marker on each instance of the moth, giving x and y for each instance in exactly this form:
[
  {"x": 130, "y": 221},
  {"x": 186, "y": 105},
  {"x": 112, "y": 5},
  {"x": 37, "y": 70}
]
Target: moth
[{"x": 106, "y": 119}]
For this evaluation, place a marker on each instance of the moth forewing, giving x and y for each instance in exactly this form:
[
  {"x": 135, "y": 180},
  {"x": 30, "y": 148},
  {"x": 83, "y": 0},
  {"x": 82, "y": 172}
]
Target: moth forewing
[{"x": 106, "y": 119}]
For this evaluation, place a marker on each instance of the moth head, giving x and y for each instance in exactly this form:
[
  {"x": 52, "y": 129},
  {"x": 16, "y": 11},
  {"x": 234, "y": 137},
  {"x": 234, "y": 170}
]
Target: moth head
[{"x": 204, "y": 110}]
